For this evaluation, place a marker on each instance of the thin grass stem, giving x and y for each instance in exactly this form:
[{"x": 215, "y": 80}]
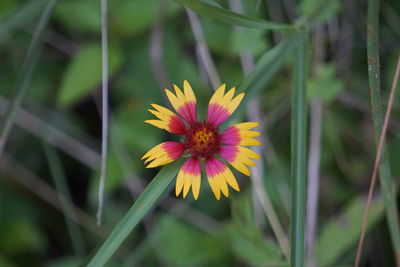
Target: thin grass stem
[
  {"x": 104, "y": 139},
  {"x": 387, "y": 186},
  {"x": 203, "y": 50},
  {"x": 59, "y": 179},
  {"x": 25, "y": 74},
  {"x": 314, "y": 156},
  {"x": 378, "y": 158}
]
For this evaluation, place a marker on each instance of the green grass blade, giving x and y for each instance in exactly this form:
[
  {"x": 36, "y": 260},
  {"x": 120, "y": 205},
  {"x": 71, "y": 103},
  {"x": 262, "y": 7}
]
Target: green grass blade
[
  {"x": 146, "y": 201},
  {"x": 62, "y": 188},
  {"x": 299, "y": 153},
  {"x": 25, "y": 73},
  {"x": 229, "y": 17},
  {"x": 387, "y": 186}
]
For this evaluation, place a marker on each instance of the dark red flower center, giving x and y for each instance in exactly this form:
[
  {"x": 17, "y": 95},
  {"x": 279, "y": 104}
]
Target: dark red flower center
[{"x": 202, "y": 140}]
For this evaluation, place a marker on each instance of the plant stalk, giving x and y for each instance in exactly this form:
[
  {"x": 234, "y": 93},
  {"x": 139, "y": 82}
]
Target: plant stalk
[{"x": 299, "y": 153}]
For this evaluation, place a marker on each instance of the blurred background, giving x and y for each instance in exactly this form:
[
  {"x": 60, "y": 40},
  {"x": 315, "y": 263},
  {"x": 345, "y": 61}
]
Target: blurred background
[{"x": 49, "y": 168}]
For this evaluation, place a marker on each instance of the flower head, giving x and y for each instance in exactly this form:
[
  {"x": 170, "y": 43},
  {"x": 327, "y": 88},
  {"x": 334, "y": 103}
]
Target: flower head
[{"x": 203, "y": 141}]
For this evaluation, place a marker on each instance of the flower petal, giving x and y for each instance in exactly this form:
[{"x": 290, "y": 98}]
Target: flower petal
[
  {"x": 184, "y": 103},
  {"x": 163, "y": 153},
  {"x": 239, "y": 157},
  {"x": 167, "y": 120},
  {"x": 239, "y": 135},
  {"x": 189, "y": 176},
  {"x": 222, "y": 105},
  {"x": 219, "y": 176}
]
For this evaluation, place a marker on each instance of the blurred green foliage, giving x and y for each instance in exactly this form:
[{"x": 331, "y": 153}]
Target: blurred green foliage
[{"x": 64, "y": 94}]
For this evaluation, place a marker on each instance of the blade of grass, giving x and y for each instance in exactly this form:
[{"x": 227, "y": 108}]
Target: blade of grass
[
  {"x": 299, "y": 153},
  {"x": 104, "y": 132},
  {"x": 386, "y": 182},
  {"x": 229, "y": 17},
  {"x": 25, "y": 74},
  {"x": 62, "y": 188},
  {"x": 146, "y": 201},
  {"x": 378, "y": 158}
]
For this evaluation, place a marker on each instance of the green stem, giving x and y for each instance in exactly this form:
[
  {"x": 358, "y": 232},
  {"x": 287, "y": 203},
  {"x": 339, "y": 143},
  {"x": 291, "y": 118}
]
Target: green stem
[
  {"x": 299, "y": 153},
  {"x": 387, "y": 186}
]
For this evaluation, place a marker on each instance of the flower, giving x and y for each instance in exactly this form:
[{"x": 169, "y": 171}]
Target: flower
[{"x": 203, "y": 141}]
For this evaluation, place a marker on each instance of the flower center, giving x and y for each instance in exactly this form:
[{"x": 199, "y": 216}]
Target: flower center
[{"x": 202, "y": 140}]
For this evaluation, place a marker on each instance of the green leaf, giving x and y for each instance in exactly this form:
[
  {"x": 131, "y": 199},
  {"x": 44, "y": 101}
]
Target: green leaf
[
  {"x": 21, "y": 234},
  {"x": 324, "y": 85},
  {"x": 146, "y": 201},
  {"x": 5, "y": 263},
  {"x": 7, "y": 6},
  {"x": 341, "y": 233},
  {"x": 229, "y": 17},
  {"x": 249, "y": 40},
  {"x": 79, "y": 15},
  {"x": 132, "y": 17},
  {"x": 84, "y": 73}
]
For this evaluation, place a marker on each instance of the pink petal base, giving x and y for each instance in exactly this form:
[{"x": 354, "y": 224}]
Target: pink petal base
[
  {"x": 214, "y": 167},
  {"x": 229, "y": 152},
  {"x": 173, "y": 149},
  {"x": 188, "y": 112},
  {"x": 231, "y": 136},
  {"x": 192, "y": 167},
  {"x": 217, "y": 114}
]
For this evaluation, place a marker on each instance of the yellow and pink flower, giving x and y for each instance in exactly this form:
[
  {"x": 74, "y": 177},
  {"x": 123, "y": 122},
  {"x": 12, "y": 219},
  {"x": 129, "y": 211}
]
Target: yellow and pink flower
[{"x": 203, "y": 141}]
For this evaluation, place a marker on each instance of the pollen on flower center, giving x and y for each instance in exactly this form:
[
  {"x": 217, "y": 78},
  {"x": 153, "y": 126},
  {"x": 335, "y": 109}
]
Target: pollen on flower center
[{"x": 202, "y": 140}]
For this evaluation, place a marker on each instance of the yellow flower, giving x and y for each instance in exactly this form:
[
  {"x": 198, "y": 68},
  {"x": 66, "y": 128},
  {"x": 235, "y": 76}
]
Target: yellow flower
[{"x": 203, "y": 140}]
